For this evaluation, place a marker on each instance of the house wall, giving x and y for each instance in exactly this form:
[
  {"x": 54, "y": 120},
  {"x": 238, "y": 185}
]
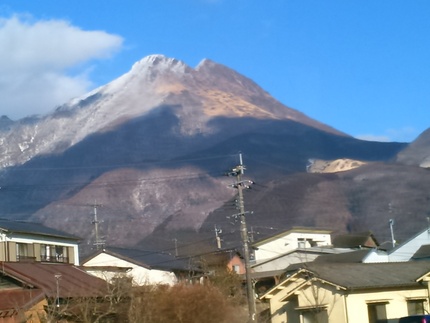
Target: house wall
[
  {"x": 325, "y": 295},
  {"x": 283, "y": 262},
  {"x": 236, "y": 261},
  {"x": 376, "y": 256},
  {"x": 2, "y": 250},
  {"x": 396, "y": 306},
  {"x": 140, "y": 275},
  {"x": 342, "y": 306},
  {"x": 288, "y": 243},
  {"x": 36, "y": 314}
]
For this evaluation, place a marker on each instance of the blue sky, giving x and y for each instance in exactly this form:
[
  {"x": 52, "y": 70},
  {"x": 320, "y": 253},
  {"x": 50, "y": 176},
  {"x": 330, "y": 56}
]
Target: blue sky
[{"x": 360, "y": 66}]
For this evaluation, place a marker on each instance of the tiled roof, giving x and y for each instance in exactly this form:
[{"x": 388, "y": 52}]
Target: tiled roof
[
  {"x": 369, "y": 275},
  {"x": 33, "y": 228},
  {"x": 72, "y": 281},
  {"x": 364, "y": 239},
  {"x": 356, "y": 256}
]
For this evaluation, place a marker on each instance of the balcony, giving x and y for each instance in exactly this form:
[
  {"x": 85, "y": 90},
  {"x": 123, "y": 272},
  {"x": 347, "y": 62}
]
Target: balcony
[
  {"x": 21, "y": 258},
  {"x": 57, "y": 259}
]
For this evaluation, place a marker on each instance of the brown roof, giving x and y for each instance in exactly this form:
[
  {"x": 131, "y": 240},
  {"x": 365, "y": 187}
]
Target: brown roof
[
  {"x": 72, "y": 281},
  {"x": 13, "y": 299}
]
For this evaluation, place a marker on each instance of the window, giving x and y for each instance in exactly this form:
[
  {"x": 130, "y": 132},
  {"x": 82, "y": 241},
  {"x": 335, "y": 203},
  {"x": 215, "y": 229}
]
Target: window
[
  {"x": 236, "y": 269},
  {"x": 305, "y": 243},
  {"x": 316, "y": 315},
  {"x": 377, "y": 312},
  {"x": 416, "y": 306},
  {"x": 52, "y": 253},
  {"x": 301, "y": 243},
  {"x": 21, "y": 251}
]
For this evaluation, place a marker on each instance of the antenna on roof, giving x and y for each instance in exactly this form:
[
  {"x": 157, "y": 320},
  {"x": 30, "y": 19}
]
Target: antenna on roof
[
  {"x": 393, "y": 241},
  {"x": 97, "y": 242}
]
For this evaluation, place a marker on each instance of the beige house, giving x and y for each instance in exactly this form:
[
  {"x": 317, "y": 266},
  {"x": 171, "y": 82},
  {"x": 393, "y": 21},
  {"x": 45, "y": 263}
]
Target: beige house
[
  {"x": 350, "y": 293},
  {"x": 23, "y": 241}
]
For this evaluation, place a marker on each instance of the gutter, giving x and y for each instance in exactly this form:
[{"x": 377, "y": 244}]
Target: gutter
[{"x": 345, "y": 305}]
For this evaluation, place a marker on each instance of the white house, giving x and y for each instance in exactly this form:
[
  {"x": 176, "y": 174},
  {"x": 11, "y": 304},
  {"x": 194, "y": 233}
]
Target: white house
[
  {"x": 29, "y": 241},
  {"x": 288, "y": 241},
  {"x": 143, "y": 267},
  {"x": 415, "y": 248}
]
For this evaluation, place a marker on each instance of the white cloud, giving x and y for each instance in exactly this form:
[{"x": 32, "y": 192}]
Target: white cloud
[
  {"x": 369, "y": 137},
  {"x": 35, "y": 57},
  {"x": 404, "y": 134}
]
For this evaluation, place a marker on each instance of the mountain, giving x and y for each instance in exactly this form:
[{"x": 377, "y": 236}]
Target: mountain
[
  {"x": 151, "y": 148},
  {"x": 417, "y": 153}
]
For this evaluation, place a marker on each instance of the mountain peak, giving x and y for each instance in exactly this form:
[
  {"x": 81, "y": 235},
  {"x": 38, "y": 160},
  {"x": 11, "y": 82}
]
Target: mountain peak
[{"x": 160, "y": 63}]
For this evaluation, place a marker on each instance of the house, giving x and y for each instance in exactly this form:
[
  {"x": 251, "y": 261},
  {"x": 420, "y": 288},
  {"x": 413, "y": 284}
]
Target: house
[
  {"x": 290, "y": 240},
  {"x": 415, "y": 248},
  {"x": 28, "y": 241},
  {"x": 357, "y": 240},
  {"x": 143, "y": 267},
  {"x": 350, "y": 292},
  {"x": 31, "y": 290},
  {"x": 230, "y": 259},
  {"x": 295, "y": 256},
  {"x": 22, "y": 305}
]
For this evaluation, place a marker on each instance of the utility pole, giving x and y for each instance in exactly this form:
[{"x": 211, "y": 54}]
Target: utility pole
[
  {"x": 97, "y": 242},
  {"x": 217, "y": 237},
  {"x": 238, "y": 171},
  {"x": 176, "y": 247},
  {"x": 57, "y": 283}
]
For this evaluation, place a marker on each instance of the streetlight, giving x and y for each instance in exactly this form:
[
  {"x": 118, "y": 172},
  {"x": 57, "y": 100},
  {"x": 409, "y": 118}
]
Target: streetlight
[{"x": 57, "y": 281}]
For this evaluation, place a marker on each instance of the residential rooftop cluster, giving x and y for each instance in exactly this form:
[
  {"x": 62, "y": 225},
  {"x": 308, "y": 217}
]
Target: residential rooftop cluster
[{"x": 298, "y": 275}]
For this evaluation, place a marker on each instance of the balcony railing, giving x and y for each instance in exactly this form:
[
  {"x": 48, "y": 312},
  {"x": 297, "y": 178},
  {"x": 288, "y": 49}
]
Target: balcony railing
[
  {"x": 21, "y": 258},
  {"x": 60, "y": 259}
]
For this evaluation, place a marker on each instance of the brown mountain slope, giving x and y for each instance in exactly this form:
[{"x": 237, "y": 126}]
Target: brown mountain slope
[
  {"x": 362, "y": 199},
  {"x": 152, "y": 146}
]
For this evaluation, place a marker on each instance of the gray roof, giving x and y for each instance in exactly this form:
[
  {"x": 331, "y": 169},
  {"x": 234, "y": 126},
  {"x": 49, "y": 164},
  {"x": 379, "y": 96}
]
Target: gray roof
[
  {"x": 422, "y": 253},
  {"x": 352, "y": 256},
  {"x": 148, "y": 259},
  {"x": 369, "y": 275},
  {"x": 11, "y": 226},
  {"x": 356, "y": 240}
]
